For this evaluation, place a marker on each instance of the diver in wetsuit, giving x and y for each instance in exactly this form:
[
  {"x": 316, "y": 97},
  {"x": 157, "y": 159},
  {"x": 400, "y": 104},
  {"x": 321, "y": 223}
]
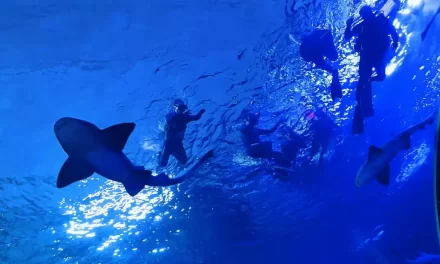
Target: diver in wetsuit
[
  {"x": 291, "y": 143},
  {"x": 317, "y": 46},
  {"x": 372, "y": 43},
  {"x": 250, "y": 136},
  {"x": 176, "y": 122},
  {"x": 322, "y": 129}
]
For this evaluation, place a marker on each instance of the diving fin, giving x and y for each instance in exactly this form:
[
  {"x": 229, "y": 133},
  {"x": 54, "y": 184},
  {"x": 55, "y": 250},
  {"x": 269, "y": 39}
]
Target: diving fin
[
  {"x": 406, "y": 140},
  {"x": 366, "y": 100},
  {"x": 136, "y": 183},
  {"x": 335, "y": 87},
  {"x": 73, "y": 170},
  {"x": 384, "y": 176},
  {"x": 358, "y": 121}
]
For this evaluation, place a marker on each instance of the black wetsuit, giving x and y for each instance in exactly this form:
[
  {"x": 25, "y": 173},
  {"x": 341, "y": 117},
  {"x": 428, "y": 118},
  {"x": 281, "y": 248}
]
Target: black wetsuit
[
  {"x": 175, "y": 131},
  {"x": 322, "y": 129},
  {"x": 373, "y": 43},
  {"x": 251, "y": 140},
  {"x": 290, "y": 148},
  {"x": 316, "y": 46}
]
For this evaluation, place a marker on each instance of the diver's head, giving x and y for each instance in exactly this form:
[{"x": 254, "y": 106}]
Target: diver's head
[
  {"x": 366, "y": 12},
  {"x": 179, "y": 106},
  {"x": 252, "y": 118}
]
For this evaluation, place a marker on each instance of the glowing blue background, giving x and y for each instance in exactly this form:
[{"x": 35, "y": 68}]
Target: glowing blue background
[{"x": 110, "y": 62}]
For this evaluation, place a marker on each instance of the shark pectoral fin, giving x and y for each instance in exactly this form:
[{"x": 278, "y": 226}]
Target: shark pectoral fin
[
  {"x": 137, "y": 182},
  {"x": 116, "y": 136},
  {"x": 72, "y": 171},
  {"x": 384, "y": 176},
  {"x": 373, "y": 152}
]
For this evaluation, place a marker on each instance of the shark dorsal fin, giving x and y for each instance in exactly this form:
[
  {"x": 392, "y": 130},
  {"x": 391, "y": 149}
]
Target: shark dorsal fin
[
  {"x": 116, "y": 136},
  {"x": 373, "y": 152}
]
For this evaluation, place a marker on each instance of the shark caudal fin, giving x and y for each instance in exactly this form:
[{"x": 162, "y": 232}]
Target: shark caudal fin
[
  {"x": 73, "y": 170},
  {"x": 136, "y": 183}
]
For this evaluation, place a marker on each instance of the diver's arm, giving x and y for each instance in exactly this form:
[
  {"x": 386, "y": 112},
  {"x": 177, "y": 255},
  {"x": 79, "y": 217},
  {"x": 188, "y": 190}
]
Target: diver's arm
[
  {"x": 163, "y": 180},
  {"x": 269, "y": 131},
  {"x": 196, "y": 117}
]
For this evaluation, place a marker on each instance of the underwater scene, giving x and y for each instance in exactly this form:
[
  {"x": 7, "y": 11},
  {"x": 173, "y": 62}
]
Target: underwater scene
[{"x": 219, "y": 131}]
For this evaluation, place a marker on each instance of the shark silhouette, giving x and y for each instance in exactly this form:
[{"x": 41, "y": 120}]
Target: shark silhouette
[{"x": 91, "y": 150}]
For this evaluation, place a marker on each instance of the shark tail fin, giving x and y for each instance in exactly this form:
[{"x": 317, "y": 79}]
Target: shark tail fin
[
  {"x": 406, "y": 139},
  {"x": 137, "y": 182}
]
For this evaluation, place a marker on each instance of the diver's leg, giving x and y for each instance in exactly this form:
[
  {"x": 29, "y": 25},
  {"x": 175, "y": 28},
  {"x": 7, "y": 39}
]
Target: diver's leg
[
  {"x": 322, "y": 64},
  {"x": 380, "y": 67},
  {"x": 364, "y": 89},
  {"x": 325, "y": 142},
  {"x": 164, "y": 156},
  {"x": 315, "y": 147},
  {"x": 179, "y": 152}
]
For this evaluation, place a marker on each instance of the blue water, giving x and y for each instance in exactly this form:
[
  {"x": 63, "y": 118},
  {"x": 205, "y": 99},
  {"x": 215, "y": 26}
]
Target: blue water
[{"x": 127, "y": 61}]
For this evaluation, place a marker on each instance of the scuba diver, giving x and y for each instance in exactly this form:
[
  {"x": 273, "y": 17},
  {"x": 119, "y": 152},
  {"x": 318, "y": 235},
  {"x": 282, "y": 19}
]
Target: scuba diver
[
  {"x": 322, "y": 129},
  {"x": 317, "y": 46},
  {"x": 250, "y": 136},
  {"x": 373, "y": 44},
  {"x": 176, "y": 122}
]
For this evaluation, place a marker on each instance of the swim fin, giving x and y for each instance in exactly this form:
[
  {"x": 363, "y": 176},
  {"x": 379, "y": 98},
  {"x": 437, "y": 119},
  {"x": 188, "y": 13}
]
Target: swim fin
[
  {"x": 335, "y": 87},
  {"x": 366, "y": 99},
  {"x": 358, "y": 122}
]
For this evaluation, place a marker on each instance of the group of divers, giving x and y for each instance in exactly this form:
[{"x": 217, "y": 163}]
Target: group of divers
[{"x": 93, "y": 150}]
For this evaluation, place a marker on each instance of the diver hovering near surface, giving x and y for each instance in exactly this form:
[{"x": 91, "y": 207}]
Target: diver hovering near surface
[
  {"x": 377, "y": 165},
  {"x": 175, "y": 127},
  {"x": 92, "y": 150},
  {"x": 322, "y": 127},
  {"x": 250, "y": 136},
  {"x": 317, "y": 46},
  {"x": 373, "y": 44}
]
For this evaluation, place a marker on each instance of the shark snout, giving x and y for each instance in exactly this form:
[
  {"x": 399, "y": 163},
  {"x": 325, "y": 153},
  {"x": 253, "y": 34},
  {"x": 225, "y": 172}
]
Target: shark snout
[{"x": 60, "y": 124}]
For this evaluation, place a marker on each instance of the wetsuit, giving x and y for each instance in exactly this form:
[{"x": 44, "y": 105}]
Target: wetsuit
[
  {"x": 251, "y": 140},
  {"x": 372, "y": 43},
  {"x": 322, "y": 128},
  {"x": 290, "y": 148},
  {"x": 175, "y": 131},
  {"x": 316, "y": 46}
]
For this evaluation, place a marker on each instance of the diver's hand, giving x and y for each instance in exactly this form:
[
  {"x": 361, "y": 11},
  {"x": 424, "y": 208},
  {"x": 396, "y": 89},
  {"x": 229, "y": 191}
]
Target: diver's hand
[
  {"x": 395, "y": 45},
  {"x": 202, "y": 111},
  {"x": 350, "y": 22}
]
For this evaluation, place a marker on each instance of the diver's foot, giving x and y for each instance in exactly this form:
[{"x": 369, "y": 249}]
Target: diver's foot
[
  {"x": 358, "y": 122},
  {"x": 335, "y": 87}
]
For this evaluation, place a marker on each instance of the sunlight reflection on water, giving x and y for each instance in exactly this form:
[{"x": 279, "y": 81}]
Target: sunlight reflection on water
[{"x": 111, "y": 207}]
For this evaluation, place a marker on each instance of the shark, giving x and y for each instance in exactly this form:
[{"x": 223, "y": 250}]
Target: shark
[
  {"x": 377, "y": 165},
  {"x": 93, "y": 150}
]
